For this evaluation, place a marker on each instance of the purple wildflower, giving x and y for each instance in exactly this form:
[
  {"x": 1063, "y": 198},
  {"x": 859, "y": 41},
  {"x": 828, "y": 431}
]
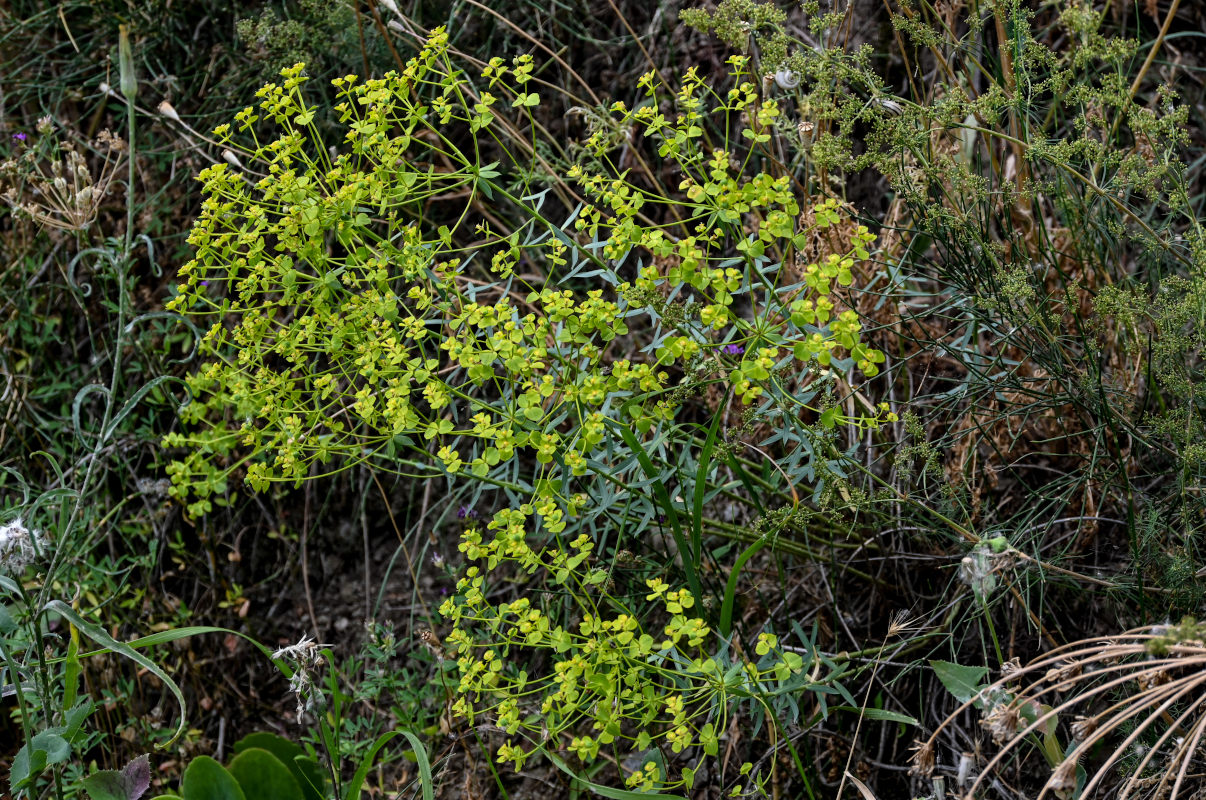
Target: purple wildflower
[
  {"x": 733, "y": 349},
  {"x": 20, "y": 136},
  {"x": 465, "y": 512}
]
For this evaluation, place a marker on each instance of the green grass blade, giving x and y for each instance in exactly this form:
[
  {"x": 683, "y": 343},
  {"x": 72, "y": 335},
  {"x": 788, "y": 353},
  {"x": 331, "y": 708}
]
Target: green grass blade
[
  {"x": 701, "y": 481},
  {"x": 730, "y": 587},
  {"x": 352, "y": 791},
  {"x": 98, "y": 635},
  {"x": 663, "y": 499}
]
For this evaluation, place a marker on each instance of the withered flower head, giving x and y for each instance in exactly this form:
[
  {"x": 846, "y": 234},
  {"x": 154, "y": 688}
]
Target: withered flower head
[
  {"x": 1063, "y": 779},
  {"x": 1001, "y": 722},
  {"x": 1083, "y": 727},
  {"x": 922, "y": 759}
]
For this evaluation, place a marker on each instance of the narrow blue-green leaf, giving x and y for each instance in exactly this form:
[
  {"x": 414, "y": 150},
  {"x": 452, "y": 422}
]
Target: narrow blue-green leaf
[
  {"x": 606, "y": 791},
  {"x": 882, "y": 714},
  {"x": 71, "y": 671},
  {"x": 424, "y": 763},
  {"x": 80, "y": 396},
  {"x": 134, "y": 400}
]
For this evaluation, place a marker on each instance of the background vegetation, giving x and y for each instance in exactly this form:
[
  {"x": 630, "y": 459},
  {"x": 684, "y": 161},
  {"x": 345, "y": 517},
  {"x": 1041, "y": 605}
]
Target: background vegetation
[{"x": 529, "y": 400}]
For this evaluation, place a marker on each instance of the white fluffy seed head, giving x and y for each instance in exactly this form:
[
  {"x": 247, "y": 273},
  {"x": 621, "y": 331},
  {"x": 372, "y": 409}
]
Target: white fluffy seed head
[{"x": 19, "y": 546}]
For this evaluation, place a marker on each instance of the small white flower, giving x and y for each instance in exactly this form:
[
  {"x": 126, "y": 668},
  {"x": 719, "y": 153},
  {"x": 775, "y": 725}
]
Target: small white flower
[
  {"x": 305, "y": 650},
  {"x": 305, "y": 656}
]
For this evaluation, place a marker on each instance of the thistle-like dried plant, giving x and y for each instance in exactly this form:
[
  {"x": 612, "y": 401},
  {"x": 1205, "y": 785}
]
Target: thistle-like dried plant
[
  {"x": 55, "y": 187},
  {"x": 1133, "y": 708}
]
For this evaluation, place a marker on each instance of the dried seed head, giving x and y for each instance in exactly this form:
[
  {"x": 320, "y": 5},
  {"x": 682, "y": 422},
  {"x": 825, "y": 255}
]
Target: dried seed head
[
  {"x": 305, "y": 651},
  {"x": 903, "y": 624},
  {"x": 1063, "y": 779},
  {"x": 1001, "y": 722},
  {"x": 922, "y": 759},
  {"x": 1083, "y": 728},
  {"x": 1157, "y": 678},
  {"x": 1063, "y": 672},
  {"x": 432, "y": 643}
]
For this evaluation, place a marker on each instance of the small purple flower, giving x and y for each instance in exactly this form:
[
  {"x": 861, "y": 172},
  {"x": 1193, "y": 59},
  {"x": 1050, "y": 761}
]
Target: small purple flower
[
  {"x": 733, "y": 349},
  {"x": 205, "y": 283},
  {"x": 465, "y": 512},
  {"x": 20, "y": 136}
]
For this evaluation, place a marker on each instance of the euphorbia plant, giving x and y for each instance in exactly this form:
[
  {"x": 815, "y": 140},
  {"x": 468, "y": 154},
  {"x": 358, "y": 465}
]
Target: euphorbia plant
[{"x": 349, "y": 325}]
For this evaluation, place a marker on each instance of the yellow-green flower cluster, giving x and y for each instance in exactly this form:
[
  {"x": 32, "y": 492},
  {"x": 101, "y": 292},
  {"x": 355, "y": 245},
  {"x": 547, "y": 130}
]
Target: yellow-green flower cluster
[
  {"x": 605, "y": 681},
  {"x": 342, "y": 326},
  {"x": 736, "y": 232}
]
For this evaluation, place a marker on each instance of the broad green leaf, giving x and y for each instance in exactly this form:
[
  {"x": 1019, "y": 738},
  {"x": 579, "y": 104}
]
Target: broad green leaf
[
  {"x": 262, "y": 776},
  {"x": 129, "y": 783},
  {"x": 962, "y": 682},
  {"x": 307, "y": 772},
  {"x": 206, "y": 779}
]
